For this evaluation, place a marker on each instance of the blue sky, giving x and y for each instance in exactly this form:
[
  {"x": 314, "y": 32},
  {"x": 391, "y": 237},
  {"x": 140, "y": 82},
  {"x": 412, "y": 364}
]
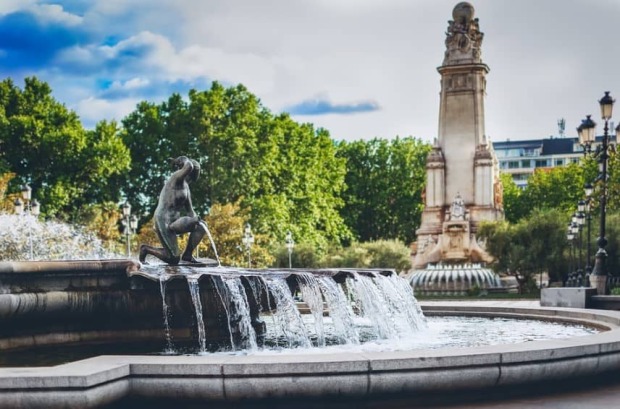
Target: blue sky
[{"x": 360, "y": 68}]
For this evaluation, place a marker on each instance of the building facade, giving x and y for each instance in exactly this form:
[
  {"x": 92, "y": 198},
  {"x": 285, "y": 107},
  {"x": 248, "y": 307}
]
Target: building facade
[{"x": 522, "y": 158}]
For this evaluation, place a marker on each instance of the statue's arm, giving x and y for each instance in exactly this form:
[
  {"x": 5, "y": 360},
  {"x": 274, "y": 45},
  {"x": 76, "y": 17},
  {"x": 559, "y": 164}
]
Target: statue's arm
[
  {"x": 188, "y": 206},
  {"x": 179, "y": 176}
]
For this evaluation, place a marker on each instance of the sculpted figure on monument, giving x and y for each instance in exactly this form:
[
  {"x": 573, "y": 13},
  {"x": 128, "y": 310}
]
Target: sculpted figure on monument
[
  {"x": 457, "y": 210},
  {"x": 463, "y": 38},
  {"x": 175, "y": 215}
]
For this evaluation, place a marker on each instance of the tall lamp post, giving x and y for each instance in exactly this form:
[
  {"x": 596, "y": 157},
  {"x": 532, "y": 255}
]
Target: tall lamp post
[
  {"x": 290, "y": 244},
  {"x": 570, "y": 277},
  {"x": 588, "y": 190},
  {"x": 248, "y": 240},
  {"x": 28, "y": 207},
  {"x": 587, "y": 134},
  {"x": 130, "y": 224},
  {"x": 577, "y": 235}
]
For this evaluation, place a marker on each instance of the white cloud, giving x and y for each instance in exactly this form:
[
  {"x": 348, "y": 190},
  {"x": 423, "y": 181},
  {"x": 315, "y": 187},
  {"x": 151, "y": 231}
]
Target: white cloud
[
  {"x": 134, "y": 83},
  {"x": 11, "y": 6},
  {"x": 92, "y": 110},
  {"x": 54, "y": 13},
  {"x": 542, "y": 66}
]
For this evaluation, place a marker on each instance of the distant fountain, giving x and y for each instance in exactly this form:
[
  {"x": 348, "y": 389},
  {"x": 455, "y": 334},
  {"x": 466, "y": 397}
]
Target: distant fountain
[
  {"x": 51, "y": 240},
  {"x": 455, "y": 279}
]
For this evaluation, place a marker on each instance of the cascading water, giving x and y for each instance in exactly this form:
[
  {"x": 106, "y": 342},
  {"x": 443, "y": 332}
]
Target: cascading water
[
  {"x": 453, "y": 279},
  {"x": 194, "y": 290},
  {"x": 340, "y": 311},
  {"x": 354, "y": 310},
  {"x": 166, "y": 312},
  {"x": 311, "y": 294},
  {"x": 286, "y": 313},
  {"x": 241, "y": 313}
]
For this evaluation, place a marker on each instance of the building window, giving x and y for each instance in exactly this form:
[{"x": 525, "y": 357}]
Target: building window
[
  {"x": 559, "y": 162},
  {"x": 541, "y": 163},
  {"x": 526, "y": 163},
  {"x": 513, "y": 164}
]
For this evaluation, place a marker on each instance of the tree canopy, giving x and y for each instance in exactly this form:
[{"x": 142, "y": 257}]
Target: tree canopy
[
  {"x": 385, "y": 180},
  {"x": 287, "y": 173},
  {"x": 45, "y": 145}
]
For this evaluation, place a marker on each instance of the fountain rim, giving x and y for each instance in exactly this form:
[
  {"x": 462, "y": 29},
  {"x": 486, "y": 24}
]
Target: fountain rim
[{"x": 221, "y": 377}]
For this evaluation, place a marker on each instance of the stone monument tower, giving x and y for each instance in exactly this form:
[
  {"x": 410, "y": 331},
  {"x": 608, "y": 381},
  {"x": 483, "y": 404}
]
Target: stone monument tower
[{"x": 463, "y": 186}]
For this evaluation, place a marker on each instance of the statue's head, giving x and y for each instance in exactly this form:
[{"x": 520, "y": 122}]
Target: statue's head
[
  {"x": 178, "y": 162},
  {"x": 195, "y": 171}
]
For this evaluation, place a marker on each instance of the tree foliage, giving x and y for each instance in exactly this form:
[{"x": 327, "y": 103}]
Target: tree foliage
[
  {"x": 45, "y": 145},
  {"x": 286, "y": 173},
  {"x": 385, "y": 180},
  {"x": 534, "y": 245}
]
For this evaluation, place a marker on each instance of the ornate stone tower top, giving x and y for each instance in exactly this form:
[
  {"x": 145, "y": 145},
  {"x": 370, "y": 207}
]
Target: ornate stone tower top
[
  {"x": 463, "y": 38},
  {"x": 462, "y": 176}
]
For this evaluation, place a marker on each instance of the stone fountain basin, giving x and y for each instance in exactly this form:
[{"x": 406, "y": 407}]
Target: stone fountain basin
[
  {"x": 414, "y": 375},
  {"x": 105, "y": 301}
]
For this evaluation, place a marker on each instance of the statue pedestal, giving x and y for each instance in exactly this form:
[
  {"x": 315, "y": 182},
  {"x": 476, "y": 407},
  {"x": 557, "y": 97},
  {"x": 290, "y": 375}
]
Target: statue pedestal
[{"x": 455, "y": 241}]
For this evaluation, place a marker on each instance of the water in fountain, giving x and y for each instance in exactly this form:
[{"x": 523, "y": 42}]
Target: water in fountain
[
  {"x": 453, "y": 279},
  {"x": 286, "y": 313},
  {"x": 311, "y": 294},
  {"x": 365, "y": 307},
  {"x": 241, "y": 313},
  {"x": 50, "y": 240},
  {"x": 217, "y": 257},
  {"x": 340, "y": 311},
  {"x": 194, "y": 290},
  {"x": 166, "y": 312}
]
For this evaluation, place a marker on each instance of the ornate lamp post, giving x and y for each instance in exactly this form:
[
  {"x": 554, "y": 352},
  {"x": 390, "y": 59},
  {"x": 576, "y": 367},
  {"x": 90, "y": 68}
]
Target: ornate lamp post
[
  {"x": 28, "y": 207},
  {"x": 248, "y": 240},
  {"x": 570, "y": 277},
  {"x": 574, "y": 227},
  {"x": 290, "y": 243},
  {"x": 586, "y": 130},
  {"x": 130, "y": 224},
  {"x": 588, "y": 190}
]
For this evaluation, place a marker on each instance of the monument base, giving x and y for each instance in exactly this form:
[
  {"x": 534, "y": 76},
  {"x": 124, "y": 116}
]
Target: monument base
[{"x": 599, "y": 282}]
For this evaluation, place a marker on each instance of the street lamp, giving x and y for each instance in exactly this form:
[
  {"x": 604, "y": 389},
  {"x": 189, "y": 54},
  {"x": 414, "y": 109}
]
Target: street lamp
[
  {"x": 130, "y": 225},
  {"x": 570, "y": 277},
  {"x": 588, "y": 191},
  {"x": 290, "y": 243},
  {"x": 586, "y": 130},
  {"x": 575, "y": 230},
  {"x": 248, "y": 240},
  {"x": 28, "y": 207}
]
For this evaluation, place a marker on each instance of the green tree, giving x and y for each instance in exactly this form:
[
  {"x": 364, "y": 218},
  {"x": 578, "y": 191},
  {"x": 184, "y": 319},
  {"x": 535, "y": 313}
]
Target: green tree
[
  {"x": 514, "y": 209},
  {"x": 45, "y": 145},
  {"x": 534, "y": 245},
  {"x": 385, "y": 180},
  {"x": 286, "y": 173},
  {"x": 558, "y": 188}
]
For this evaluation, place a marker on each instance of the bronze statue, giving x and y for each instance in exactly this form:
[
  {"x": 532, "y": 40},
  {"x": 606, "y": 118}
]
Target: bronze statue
[{"x": 175, "y": 215}]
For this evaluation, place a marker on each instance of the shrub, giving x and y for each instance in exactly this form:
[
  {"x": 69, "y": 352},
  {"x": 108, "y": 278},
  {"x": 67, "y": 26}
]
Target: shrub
[{"x": 375, "y": 254}]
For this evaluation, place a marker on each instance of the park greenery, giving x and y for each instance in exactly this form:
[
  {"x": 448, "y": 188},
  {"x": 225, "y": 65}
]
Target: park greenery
[{"x": 347, "y": 203}]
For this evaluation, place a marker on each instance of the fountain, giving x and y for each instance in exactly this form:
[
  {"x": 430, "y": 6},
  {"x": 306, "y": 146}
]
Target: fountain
[
  {"x": 455, "y": 279},
  {"x": 226, "y": 334},
  {"x": 266, "y": 351}
]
